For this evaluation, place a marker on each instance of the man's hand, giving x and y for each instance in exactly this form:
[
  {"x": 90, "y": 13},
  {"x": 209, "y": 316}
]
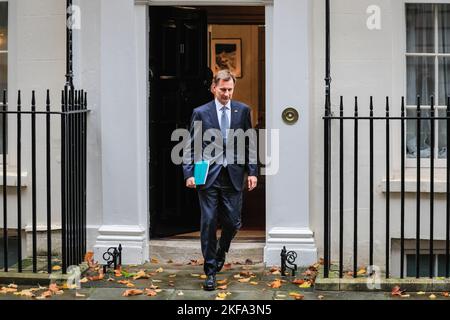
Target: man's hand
[
  {"x": 190, "y": 183},
  {"x": 252, "y": 181}
]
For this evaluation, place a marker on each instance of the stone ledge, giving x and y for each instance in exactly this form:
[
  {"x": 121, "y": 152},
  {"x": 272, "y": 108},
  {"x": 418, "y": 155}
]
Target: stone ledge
[{"x": 385, "y": 285}]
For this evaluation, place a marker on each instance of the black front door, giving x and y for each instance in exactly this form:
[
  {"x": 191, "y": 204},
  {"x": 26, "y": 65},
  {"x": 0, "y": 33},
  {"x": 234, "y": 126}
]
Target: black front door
[{"x": 179, "y": 82}]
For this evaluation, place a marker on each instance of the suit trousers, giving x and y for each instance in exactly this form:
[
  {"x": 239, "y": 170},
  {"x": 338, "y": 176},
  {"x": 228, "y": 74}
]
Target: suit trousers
[{"x": 220, "y": 202}]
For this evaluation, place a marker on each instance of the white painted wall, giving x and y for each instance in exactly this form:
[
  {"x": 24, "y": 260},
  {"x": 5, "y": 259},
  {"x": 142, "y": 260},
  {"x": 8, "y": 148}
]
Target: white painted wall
[
  {"x": 364, "y": 63},
  {"x": 36, "y": 62}
]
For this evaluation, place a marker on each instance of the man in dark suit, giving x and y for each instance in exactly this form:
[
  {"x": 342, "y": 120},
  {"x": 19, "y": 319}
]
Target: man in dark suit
[{"x": 221, "y": 195}]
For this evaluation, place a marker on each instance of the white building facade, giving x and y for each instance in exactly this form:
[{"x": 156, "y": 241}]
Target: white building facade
[{"x": 369, "y": 58}]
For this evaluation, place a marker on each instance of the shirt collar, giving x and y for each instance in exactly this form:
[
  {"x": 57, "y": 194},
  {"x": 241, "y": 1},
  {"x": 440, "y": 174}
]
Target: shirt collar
[{"x": 219, "y": 105}]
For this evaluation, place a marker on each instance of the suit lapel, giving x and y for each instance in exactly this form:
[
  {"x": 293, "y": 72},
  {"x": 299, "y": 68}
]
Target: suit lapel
[
  {"x": 213, "y": 115},
  {"x": 234, "y": 116}
]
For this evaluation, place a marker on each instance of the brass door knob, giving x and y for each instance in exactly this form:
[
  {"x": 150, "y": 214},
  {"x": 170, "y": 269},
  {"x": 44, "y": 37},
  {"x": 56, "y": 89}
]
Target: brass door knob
[{"x": 290, "y": 115}]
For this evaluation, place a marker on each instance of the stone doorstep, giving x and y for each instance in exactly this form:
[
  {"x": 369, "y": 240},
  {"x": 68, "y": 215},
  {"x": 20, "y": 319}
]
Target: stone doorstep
[{"x": 181, "y": 251}]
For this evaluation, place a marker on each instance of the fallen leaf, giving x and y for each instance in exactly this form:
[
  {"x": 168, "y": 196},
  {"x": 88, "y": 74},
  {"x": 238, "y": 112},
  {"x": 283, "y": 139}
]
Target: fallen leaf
[
  {"x": 118, "y": 272},
  {"x": 46, "y": 294},
  {"x": 150, "y": 293},
  {"x": 79, "y": 295},
  {"x": 275, "y": 284},
  {"x": 203, "y": 276},
  {"x": 247, "y": 274},
  {"x": 180, "y": 293},
  {"x": 170, "y": 261},
  {"x": 281, "y": 296},
  {"x": 254, "y": 283},
  {"x": 248, "y": 261},
  {"x": 56, "y": 268},
  {"x": 195, "y": 275},
  {"x": 172, "y": 276},
  {"x": 12, "y": 285},
  {"x": 237, "y": 276},
  {"x": 298, "y": 281},
  {"x": 244, "y": 280},
  {"x": 154, "y": 260},
  {"x": 305, "y": 285},
  {"x": 276, "y": 273},
  {"x": 432, "y": 296},
  {"x": 140, "y": 275},
  {"x": 156, "y": 280},
  {"x": 132, "y": 292},
  {"x": 361, "y": 271},
  {"x": 396, "y": 291},
  {"x": 153, "y": 287},
  {"x": 53, "y": 287},
  {"x": 320, "y": 297},
  {"x": 222, "y": 287},
  {"x": 158, "y": 290},
  {"x": 404, "y": 296},
  {"x": 24, "y": 293},
  {"x": 88, "y": 256},
  {"x": 296, "y": 295},
  {"x": 222, "y": 281},
  {"x": 221, "y": 295},
  {"x": 420, "y": 293},
  {"x": 227, "y": 266},
  {"x": 159, "y": 270},
  {"x": 110, "y": 279},
  {"x": 130, "y": 285},
  {"x": 445, "y": 294},
  {"x": 171, "y": 284}
]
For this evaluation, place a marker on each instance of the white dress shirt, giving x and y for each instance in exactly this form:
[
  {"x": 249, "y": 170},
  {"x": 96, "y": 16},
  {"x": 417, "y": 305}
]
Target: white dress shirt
[{"x": 219, "y": 111}]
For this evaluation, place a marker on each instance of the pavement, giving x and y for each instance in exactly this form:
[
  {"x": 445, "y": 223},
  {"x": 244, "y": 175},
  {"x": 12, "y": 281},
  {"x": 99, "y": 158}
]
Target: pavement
[{"x": 183, "y": 281}]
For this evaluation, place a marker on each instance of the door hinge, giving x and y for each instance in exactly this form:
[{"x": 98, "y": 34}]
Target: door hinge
[{"x": 182, "y": 48}]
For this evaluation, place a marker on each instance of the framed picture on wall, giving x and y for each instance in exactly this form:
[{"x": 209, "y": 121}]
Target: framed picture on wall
[{"x": 226, "y": 54}]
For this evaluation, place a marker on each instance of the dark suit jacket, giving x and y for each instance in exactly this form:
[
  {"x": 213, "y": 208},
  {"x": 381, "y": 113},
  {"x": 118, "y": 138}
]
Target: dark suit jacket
[{"x": 240, "y": 119}]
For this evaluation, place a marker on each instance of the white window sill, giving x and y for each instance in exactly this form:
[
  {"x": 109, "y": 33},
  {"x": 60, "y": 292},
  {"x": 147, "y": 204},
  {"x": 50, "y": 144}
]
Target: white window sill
[
  {"x": 11, "y": 178},
  {"x": 440, "y": 186}
]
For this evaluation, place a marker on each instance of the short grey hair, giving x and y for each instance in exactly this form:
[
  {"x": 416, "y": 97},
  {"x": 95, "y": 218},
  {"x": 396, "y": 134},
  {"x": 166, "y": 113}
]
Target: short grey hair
[{"x": 224, "y": 75}]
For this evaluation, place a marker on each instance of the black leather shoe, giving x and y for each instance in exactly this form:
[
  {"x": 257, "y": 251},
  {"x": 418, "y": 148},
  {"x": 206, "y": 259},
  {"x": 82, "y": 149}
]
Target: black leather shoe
[
  {"x": 210, "y": 283},
  {"x": 220, "y": 259}
]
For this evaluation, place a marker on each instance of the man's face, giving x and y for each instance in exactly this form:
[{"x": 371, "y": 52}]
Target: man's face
[{"x": 223, "y": 91}]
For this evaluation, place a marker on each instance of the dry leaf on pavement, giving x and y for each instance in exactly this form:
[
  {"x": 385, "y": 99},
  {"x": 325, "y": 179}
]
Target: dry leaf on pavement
[
  {"x": 222, "y": 287},
  {"x": 296, "y": 295},
  {"x": 298, "y": 281},
  {"x": 150, "y": 292},
  {"x": 140, "y": 275},
  {"x": 275, "y": 284},
  {"x": 244, "y": 280},
  {"x": 305, "y": 285},
  {"x": 396, "y": 291},
  {"x": 132, "y": 292}
]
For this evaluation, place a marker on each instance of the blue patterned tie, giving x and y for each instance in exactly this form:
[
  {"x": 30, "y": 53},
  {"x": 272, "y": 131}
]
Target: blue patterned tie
[{"x": 224, "y": 125}]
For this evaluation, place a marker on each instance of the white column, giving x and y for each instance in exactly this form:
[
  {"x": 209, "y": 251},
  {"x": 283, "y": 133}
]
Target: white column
[
  {"x": 121, "y": 119},
  {"x": 288, "y": 38}
]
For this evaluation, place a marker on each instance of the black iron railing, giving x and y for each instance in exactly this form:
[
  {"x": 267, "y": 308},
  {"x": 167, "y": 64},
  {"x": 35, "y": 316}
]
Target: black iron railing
[
  {"x": 73, "y": 120},
  {"x": 355, "y": 120}
]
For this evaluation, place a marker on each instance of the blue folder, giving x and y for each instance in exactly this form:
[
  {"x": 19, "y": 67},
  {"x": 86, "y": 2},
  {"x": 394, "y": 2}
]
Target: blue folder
[{"x": 201, "y": 172}]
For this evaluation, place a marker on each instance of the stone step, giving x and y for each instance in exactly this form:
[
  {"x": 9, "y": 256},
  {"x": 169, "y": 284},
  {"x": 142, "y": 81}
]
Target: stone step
[{"x": 182, "y": 251}]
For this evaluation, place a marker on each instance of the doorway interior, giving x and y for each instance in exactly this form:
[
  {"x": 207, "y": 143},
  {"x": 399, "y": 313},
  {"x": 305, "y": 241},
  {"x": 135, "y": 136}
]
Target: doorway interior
[{"x": 186, "y": 45}]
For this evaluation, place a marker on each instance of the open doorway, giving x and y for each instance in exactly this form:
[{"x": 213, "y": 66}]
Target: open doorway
[{"x": 185, "y": 42}]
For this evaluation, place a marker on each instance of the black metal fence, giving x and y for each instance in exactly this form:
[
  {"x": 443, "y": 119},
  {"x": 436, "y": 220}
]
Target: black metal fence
[
  {"x": 355, "y": 120},
  {"x": 73, "y": 120}
]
